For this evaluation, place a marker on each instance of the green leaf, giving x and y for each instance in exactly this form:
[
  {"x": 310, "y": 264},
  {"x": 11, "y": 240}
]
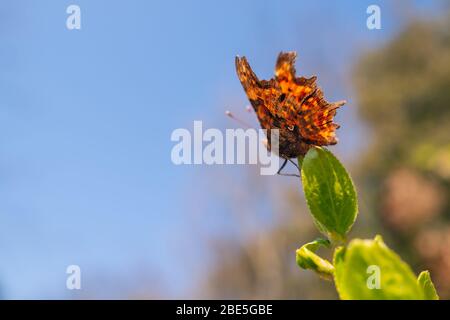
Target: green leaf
[
  {"x": 329, "y": 192},
  {"x": 307, "y": 259},
  {"x": 427, "y": 286},
  {"x": 369, "y": 270}
]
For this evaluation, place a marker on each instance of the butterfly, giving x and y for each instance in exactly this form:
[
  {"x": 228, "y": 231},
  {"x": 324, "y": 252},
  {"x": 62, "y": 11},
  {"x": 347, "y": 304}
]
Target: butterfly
[{"x": 293, "y": 105}]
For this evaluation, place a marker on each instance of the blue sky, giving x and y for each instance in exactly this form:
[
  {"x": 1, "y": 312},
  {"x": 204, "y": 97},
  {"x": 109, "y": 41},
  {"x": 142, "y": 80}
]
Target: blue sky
[{"x": 86, "y": 118}]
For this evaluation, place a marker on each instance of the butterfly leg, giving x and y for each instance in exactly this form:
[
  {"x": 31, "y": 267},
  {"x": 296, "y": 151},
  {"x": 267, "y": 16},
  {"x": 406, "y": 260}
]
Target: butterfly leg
[
  {"x": 295, "y": 164},
  {"x": 282, "y": 166},
  {"x": 286, "y": 174}
]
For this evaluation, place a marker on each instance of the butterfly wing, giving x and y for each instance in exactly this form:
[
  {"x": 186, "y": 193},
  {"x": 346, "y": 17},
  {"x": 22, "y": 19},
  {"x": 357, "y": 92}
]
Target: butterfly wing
[
  {"x": 302, "y": 103},
  {"x": 261, "y": 94}
]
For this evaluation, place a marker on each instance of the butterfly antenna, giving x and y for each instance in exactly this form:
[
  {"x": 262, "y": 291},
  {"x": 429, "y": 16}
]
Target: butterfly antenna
[{"x": 229, "y": 114}]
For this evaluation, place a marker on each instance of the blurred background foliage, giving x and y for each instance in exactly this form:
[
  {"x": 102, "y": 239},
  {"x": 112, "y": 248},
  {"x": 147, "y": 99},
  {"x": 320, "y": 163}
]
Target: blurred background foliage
[
  {"x": 402, "y": 177},
  {"x": 404, "y": 97}
]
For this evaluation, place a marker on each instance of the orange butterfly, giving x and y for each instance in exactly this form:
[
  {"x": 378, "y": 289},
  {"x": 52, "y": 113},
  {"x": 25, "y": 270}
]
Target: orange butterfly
[{"x": 293, "y": 105}]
